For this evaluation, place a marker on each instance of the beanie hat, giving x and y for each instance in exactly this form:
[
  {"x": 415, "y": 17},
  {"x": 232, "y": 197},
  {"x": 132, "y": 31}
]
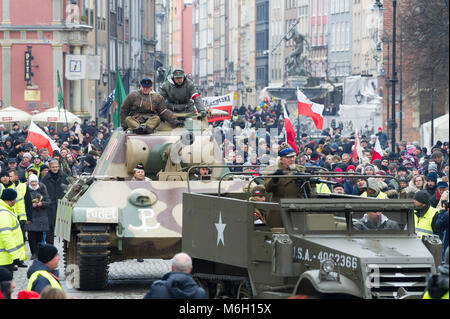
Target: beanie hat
[
  {"x": 46, "y": 253},
  {"x": 432, "y": 167},
  {"x": 351, "y": 167},
  {"x": 9, "y": 194},
  {"x": 432, "y": 176},
  {"x": 27, "y": 155},
  {"x": 442, "y": 184},
  {"x": 422, "y": 197},
  {"x": 4, "y": 173},
  {"x": 33, "y": 178}
]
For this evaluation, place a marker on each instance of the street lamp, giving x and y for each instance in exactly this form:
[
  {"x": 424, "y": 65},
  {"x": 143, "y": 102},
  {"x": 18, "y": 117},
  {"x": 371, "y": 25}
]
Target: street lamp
[
  {"x": 394, "y": 72},
  {"x": 105, "y": 77},
  {"x": 358, "y": 97}
]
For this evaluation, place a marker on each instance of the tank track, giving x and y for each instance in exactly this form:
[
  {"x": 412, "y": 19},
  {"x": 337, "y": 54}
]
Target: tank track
[
  {"x": 225, "y": 286},
  {"x": 88, "y": 250}
]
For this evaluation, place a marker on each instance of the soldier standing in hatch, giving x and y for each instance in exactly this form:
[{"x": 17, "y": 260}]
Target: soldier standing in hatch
[
  {"x": 143, "y": 110},
  {"x": 178, "y": 91},
  {"x": 283, "y": 187}
]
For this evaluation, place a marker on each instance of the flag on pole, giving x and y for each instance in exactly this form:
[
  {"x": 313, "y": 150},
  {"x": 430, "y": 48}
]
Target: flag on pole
[
  {"x": 106, "y": 105},
  {"x": 40, "y": 139},
  {"x": 60, "y": 93},
  {"x": 377, "y": 151},
  {"x": 168, "y": 73},
  {"x": 311, "y": 109},
  {"x": 290, "y": 133},
  {"x": 120, "y": 95}
]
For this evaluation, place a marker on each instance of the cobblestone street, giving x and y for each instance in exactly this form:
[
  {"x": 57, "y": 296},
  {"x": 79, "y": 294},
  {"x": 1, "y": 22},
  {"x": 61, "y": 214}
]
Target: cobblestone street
[{"x": 127, "y": 279}]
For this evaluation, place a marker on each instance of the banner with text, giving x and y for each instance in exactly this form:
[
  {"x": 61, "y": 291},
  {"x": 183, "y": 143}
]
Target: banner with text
[{"x": 223, "y": 103}]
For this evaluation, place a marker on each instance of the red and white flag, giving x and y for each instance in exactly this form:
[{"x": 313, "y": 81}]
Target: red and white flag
[
  {"x": 357, "y": 149},
  {"x": 38, "y": 138},
  {"x": 290, "y": 133},
  {"x": 311, "y": 109},
  {"x": 377, "y": 151}
]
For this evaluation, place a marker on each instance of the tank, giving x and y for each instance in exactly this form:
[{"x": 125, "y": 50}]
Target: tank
[
  {"x": 317, "y": 253},
  {"x": 108, "y": 217}
]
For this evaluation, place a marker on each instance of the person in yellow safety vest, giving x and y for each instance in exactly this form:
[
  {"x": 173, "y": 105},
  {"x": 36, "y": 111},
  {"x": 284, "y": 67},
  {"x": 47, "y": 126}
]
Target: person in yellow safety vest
[
  {"x": 437, "y": 286},
  {"x": 44, "y": 270},
  {"x": 12, "y": 245},
  {"x": 21, "y": 189},
  {"x": 373, "y": 190},
  {"x": 425, "y": 216},
  {"x": 322, "y": 188}
]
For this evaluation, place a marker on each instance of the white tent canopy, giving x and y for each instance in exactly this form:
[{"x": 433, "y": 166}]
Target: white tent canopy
[
  {"x": 54, "y": 116},
  {"x": 441, "y": 131},
  {"x": 11, "y": 114}
]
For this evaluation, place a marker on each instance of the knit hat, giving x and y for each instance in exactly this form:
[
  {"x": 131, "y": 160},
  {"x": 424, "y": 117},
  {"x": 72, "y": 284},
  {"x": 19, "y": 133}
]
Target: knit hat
[
  {"x": 442, "y": 184},
  {"x": 27, "y": 155},
  {"x": 422, "y": 197},
  {"x": 432, "y": 176},
  {"x": 4, "y": 173},
  {"x": 33, "y": 178},
  {"x": 9, "y": 194},
  {"x": 351, "y": 167},
  {"x": 46, "y": 253},
  {"x": 432, "y": 167},
  {"x": 5, "y": 275}
]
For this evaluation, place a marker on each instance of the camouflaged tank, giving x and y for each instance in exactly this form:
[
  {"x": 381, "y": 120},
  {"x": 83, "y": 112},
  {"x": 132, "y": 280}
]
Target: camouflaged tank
[{"x": 109, "y": 217}]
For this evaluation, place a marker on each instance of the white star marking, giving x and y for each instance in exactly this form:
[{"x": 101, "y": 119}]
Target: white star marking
[{"x": 220, "y": 228}]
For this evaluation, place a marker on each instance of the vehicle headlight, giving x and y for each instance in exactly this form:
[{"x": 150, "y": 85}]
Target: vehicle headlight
[{"x": 328, "y": 266}]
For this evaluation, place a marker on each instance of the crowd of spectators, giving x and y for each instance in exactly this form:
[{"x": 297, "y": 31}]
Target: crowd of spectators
[{"x": 80, "y": 146}]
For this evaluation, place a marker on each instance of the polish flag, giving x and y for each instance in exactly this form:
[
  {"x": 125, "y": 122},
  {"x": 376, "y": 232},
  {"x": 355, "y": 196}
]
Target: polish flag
[
  {"x": 377, "y": 151},
  {"x": 311, "y": 109},
  {"x": 38, "y": 138},
  {"x": 357, "y": 150},
  {"x": 290, "y": 133}
]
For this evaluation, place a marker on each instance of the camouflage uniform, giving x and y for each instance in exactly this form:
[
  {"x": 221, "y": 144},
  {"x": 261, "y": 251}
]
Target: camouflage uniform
[
  {"x": 141, "y": 109},
  {"x": 179, "y": 97}
]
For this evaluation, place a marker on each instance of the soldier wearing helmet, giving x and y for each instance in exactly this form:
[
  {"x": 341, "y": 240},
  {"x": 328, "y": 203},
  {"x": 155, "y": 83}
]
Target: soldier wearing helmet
[{"x": 181, "y": 95}]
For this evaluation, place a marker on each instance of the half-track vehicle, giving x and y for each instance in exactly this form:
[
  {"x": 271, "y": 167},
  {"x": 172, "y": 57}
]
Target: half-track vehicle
[
  {"x": 317, "y": 253},
  {"x": 108, "y": 216}
]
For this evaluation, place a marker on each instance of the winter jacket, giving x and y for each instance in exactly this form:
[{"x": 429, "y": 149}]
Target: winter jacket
[
  {"x": 53, "y": 183},
  {"x": 38, "y": 215},
  {"x": 41, "y": 282},
  {"x": 178, "y": 97},
  {"x": 141, "y": 107},
  {"x": 176, "y": 285}
]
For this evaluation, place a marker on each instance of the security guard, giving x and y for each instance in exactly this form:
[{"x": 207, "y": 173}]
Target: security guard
[
  {"x": 425, "y": 215},
  {"x": 142, "y": 110},
  {"x": 43, "y": 272},
  {"x": 283, "y": 187},
  {"x": 373, "y": 190},
  {"x": 437, "y": 286},
  {"x": 12, "y": 245},
  {"x": 179, "y": 92}
]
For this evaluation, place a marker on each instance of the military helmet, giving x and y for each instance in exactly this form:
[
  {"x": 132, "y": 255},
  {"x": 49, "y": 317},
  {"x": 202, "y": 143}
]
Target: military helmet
[{"x": 178, "y": 73}]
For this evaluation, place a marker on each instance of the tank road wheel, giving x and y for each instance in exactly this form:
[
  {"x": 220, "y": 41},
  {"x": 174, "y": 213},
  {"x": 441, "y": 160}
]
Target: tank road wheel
[{"x": 87, "y": 257}]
